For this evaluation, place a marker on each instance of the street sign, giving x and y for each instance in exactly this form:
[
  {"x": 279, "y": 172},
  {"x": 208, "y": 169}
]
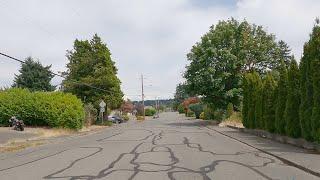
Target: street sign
[
  {"x": 102, "y": 104},
  {"x": 102, "y": 109}
]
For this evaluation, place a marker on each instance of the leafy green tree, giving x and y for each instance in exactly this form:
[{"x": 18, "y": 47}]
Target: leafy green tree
[
  {"x": 181, "y": 93},
  {"x": 90, "y": 64},
  {"x": 269, "y": 102},
  {"x": 229, "y": 110},
  {"x": 34, "y": 76},
  {"x": 224, "y": 54},
  {"x": 281, "y": 99},
  {"x": 293, "y": 128}
]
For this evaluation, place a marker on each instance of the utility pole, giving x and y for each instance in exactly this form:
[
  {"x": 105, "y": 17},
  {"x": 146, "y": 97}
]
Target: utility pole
[{"x": 142, "y": 96}]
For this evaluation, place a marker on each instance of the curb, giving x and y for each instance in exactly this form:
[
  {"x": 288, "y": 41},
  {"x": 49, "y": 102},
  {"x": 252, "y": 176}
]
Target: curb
[{"x": 302, "y": 143}]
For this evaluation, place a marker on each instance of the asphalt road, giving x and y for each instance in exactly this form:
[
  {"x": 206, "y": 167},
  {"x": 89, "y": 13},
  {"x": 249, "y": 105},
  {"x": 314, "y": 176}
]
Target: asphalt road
[{"x": 170, "y": 147}]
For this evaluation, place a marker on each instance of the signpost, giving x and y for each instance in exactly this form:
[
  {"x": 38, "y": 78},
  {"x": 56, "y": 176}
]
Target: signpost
[{"x": 102, "y": 109}]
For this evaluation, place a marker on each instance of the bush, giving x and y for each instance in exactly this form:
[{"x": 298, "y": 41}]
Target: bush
[
  {"x": 229, "y": 110},
  {"x": 140, "y": 118},
  {"x": 190, "y": 114},
  {"x": 54, "y": 109},
  {"x": 125, "y": 117},
  {"x": 150, "y": 112},
  {"x": 197, "y": 109},
  {"x": 181, "y": 109},
  {"x": 107, "y": 123},
  {"x": 202, "y": 116},
  {"x": 219, "y": 115},
  {"x": 208, "y": 113}
]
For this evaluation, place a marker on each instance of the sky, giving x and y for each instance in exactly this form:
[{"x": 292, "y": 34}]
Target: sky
[{"x": 149, "y": 37}]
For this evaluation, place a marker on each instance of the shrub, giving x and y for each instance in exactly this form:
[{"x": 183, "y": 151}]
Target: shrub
[
  {"x": 125, "y": 117},
  {"x": 140, "y": 118},
  {"x": 197, "y": 109},
  {"x": 54, "y": 109},
  {"x": 202, "y": 116},
  {"x": 190, "y": 114},
  {"x": 208, "y": 113},
  {"x": 181, "y": 109},
  {"x": 229, "y": 110},
  {"x": 219, "y": 115},
  {"x": 150, "y": 112},
  {"x": 107, "y": 123}
]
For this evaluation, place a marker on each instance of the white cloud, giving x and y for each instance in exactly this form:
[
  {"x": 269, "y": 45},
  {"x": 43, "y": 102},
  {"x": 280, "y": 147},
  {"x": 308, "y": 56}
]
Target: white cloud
[{"x": 150, "y": 37}]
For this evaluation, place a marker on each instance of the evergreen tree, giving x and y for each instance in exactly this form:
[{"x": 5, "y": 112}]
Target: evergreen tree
[
  {"x": 34, "y": 76},
  {"x": 315, "y": 119},
  {"x": 269, "y": 102},
  {"x": 245, "y": 102},
  {"x": 259, "y": 104},
  {"x": 308, "y": 71},
  {"x": 293, "y": 127},
  {"x": 90, "y": 63},
  {"x": 281, "y": 100}
]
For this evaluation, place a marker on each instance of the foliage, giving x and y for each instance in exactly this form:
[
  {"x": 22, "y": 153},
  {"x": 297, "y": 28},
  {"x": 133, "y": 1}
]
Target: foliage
[
  {"x": 54, "y": 109},
  {"x": 181, "y": 93},
  {"x": 190, "y": 113},
  {"x": 269, "y": 94},
  {"x": 34, "y": 76},
  {"x": 150, "y": 112},
  {"x": 139, "y": 108},
  {"x": 208, "y": 112},
  {"x": 181, "y": 109},
  {"x": 229, "y": 110},
  {"x": 127, "y": 106},
  {"x": 188, "y": 101},
  {"x": 202, "y": 115},
  {"x": 293, "y": 102},
  {"x": 106, "y": 123},
  {"x": 125, "y": 117},
  {"x": 197, "y": 109},
  {"x": 90, "y": 63},
  {"x": 140, "y": 118},
  {"x": 90, "y": 114},
  {"x": 224, "y": 54},
  {"x": 281, "y": 99},
  {"x": 219, "y": 115}
]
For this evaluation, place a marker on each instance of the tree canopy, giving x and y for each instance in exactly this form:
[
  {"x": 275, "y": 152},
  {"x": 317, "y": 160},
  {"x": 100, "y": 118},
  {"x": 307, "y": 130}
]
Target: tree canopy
[
  {"x": 224, "y": 54},
  {"x": 90, "y": 63},
  {"x": 34, "y": 76}
]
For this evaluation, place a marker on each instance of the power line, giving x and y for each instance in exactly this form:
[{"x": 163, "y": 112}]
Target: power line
[{"x": 55, "y": 74}]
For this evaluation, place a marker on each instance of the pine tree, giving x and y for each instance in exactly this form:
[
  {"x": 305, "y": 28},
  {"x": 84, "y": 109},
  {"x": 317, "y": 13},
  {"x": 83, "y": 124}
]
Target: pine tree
[
  {"x": 269, "y": 102},
  {"x": 293, "y": 127},
  {"x": 281, "y": 100},
  {"x": 245, "y": 102},
  {"x": 34, "y": 76}
]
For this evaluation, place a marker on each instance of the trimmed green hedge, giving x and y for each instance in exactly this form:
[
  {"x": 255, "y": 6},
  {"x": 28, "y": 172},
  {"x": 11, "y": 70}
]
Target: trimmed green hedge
[
  {"x": 54, "y": 109},
  {"x": 150, "y": 112}
]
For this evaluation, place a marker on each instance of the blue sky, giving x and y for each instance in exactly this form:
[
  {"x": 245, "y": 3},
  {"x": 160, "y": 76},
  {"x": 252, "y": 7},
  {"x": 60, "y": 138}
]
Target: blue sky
[{"x": 145, "y": 37}]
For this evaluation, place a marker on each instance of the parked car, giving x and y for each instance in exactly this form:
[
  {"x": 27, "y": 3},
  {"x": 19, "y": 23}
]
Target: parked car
[{"x": 115, "y": 119}]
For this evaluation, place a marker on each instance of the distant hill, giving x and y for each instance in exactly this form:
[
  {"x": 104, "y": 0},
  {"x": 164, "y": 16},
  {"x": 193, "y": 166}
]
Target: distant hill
[{"x": 165, "y": 102}]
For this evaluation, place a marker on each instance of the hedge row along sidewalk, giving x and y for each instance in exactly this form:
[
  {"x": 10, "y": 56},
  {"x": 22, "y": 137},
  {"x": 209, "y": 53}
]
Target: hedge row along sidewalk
[{"x": 53, "y": 109}]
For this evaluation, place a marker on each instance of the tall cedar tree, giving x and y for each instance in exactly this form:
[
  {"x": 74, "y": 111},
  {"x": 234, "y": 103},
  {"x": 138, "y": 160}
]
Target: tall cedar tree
[
  {"x": 280, "y": 122},
  {"x": 90, "y": 63},
  {"x": 230, "y": 49},
  {"x": 34, "y": 76},
  {"x": 293, "y": 127},
  {"x": 315, "y": 119},
  {"x": 269, "y": 102},
  {"x": 311, "y": 55},
  {"x": 259, "y": 104}
]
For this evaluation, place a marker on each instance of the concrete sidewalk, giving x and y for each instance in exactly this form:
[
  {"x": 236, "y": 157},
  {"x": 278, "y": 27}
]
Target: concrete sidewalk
[{"x": 302, "y": 157}]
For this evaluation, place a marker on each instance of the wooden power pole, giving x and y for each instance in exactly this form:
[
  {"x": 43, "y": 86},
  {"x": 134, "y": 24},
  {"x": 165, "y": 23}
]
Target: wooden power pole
[{"x": 142, "y": 96}]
